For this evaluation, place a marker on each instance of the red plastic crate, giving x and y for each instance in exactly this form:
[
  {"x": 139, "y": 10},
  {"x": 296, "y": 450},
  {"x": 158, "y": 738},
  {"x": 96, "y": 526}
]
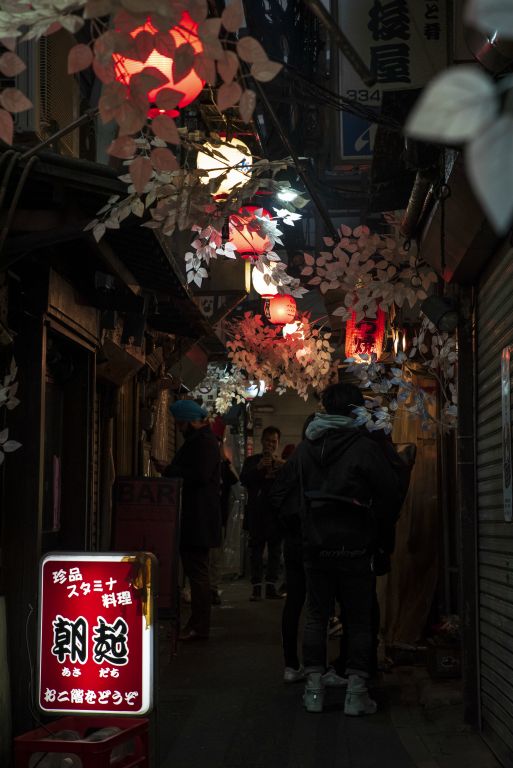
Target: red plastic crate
[{"x": 93, "y": 754}]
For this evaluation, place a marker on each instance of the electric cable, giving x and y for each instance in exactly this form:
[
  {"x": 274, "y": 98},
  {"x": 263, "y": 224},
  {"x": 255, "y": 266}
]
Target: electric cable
[
  {"x": 14, "y": 202},
  {"x": 13, "y": 159},
  {"x": 320, "y": 94}
]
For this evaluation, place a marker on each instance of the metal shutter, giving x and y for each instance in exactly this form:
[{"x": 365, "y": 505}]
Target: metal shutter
[
  {"x": 495, "y": 536},
  {"x": 59, "y": 100}
]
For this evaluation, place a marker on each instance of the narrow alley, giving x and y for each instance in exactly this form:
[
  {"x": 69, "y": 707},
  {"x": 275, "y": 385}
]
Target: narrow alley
[
  {"x": 223, "y": 704},
  {"x": 256, "y": 419}
]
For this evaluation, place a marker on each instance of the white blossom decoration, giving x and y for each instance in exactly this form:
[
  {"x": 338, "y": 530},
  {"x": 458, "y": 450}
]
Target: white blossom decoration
[{"x": 301, "y": 361}]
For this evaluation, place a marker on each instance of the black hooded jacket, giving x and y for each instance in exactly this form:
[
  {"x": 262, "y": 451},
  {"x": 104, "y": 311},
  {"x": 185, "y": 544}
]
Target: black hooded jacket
[
  {"x": 198, "y": 463},
  {"x": 342, "y": 461}
]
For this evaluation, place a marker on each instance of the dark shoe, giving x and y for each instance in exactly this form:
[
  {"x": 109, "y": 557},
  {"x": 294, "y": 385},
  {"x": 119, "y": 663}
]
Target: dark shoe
[
  {"x": 215, "y": 597},
  {"x": 271, "y": 593},
  {"x": 256, "y": 593},
  {"x": 293, "y": 674},
  {"x": 191, "y": 634}
]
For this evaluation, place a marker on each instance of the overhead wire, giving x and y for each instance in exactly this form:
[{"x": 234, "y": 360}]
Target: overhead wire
[{"x": 320, "y": 94}]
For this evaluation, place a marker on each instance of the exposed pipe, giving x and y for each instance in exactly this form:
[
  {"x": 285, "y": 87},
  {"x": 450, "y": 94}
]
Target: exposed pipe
[
  {"x": 346, "y": 48},
  {"x": 89, "y": 114},
  {"x": 5, "y": 155},
  {"x": 416, "y": 203},
  {"x": 14, "y": 157},
  {"x": 14, "y": 203}
]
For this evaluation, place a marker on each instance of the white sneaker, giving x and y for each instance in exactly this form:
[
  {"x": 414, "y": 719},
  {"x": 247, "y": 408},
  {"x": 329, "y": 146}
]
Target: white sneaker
[
  {"x": 358, "y": 701},
  {"x": 291, "y": 675},
  {"x": 313, "y": 697},
  {"x": 331, "y": 680}
]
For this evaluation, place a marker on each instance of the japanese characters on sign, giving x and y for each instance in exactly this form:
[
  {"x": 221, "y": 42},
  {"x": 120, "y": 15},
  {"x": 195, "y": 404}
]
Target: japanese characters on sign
[
  {"x": 403, "y": 42},
  {"x": 95, "y": 644},
  {"x": 365, "y": 337}
]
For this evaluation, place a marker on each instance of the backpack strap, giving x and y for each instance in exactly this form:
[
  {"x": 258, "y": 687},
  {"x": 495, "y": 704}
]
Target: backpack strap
[{"x": 320, "y": 496}]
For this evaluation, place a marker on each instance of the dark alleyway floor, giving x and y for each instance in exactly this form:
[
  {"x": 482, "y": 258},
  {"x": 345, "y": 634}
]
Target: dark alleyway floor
[{"x": 222, "y": 704}]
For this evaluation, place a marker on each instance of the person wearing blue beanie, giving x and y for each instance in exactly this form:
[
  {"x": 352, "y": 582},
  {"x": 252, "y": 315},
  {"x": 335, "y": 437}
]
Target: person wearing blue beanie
[
  {"x": 188, "y": 411},
  {"x": 198, "y": 463}
]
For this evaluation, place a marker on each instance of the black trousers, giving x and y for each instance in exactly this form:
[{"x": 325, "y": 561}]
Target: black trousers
[
  {"x": 256, "y": 559},
  {"x": 195, "y": 561},
  {"x": 354, "y": 585},
  {"x": 341, "y": 662},
  {"x": 294, "y": 602}
]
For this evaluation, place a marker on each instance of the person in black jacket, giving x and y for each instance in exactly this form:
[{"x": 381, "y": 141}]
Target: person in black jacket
[
  {"x": 346, "y": 484},
  {"x": 401, "y": 464},
  {"x": 258, "y": 474},
  {"x": 287, "y": 513},
  {"x": 228, "y": 479},
  {"x": 198, "y": 463}
]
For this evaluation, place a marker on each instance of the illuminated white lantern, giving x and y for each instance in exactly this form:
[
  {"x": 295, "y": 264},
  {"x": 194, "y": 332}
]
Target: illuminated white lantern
[
  {"x": 266, "y": 290},
  {"x": 232, "y": 156},
  {"x": 256, "y": 390}
]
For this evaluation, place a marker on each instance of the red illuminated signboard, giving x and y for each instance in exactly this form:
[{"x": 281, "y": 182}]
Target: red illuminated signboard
[{"x": 95, "y": 643}]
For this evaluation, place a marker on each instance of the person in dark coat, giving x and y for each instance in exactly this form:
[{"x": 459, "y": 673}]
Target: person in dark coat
[
  {"x": 287, "y": 512},
  {"x": 346, "y": 470},
  {"x": 401, "y": 463},
  {"x": 258, "y": 474},
  {"x": 228, "y": 479},
  {"x": 198, "y": 463}
]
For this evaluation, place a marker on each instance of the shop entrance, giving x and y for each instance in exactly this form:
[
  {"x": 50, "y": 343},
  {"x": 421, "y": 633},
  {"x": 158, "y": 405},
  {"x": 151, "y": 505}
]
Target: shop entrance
[{"x": 67, "y": 445}]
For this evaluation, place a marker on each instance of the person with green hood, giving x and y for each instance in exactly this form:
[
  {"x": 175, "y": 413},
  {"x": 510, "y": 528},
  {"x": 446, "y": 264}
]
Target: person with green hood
[{"x": 349, "y": 500}]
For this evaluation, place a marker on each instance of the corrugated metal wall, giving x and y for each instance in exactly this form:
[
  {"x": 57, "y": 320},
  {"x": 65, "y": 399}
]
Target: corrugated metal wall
[{"x": 495, "y": 536}]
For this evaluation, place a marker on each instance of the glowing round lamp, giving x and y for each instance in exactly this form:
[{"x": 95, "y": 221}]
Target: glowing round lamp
[
  {"x": 256, "y": 390},
  {"x": 244, "y": 236},
  {"x": 365, "y": 337},
  {"x": 191, "y": 85},
  {"x": 281, "y": 309},
  {"x": 266, "y": 290},
  {"x": 232, "y": 156}
]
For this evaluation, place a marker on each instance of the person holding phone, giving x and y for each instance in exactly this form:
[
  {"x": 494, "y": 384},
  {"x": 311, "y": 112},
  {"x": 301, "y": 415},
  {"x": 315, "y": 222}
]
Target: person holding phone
[{"x": 258, "y": 474}]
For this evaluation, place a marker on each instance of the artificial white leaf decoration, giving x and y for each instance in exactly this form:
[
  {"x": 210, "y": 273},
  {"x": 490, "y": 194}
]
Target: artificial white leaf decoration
[
  {"x": 455, "y": 106},
  {"x": 489, "y": 164},
  {"x": 300, "y": 361},
  {"x": 10, "y": 446}
]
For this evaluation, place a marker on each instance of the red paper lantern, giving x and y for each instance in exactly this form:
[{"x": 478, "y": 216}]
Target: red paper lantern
[
  {"x": 191, "y": 85},
  {"x": 281, "y": 309},
  {"x": 365, "y": 337},
  {"x": 246, "y": 240}
]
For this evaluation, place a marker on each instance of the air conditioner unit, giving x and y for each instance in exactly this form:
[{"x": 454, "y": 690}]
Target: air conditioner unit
[{"x": 54, "y": 94}]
